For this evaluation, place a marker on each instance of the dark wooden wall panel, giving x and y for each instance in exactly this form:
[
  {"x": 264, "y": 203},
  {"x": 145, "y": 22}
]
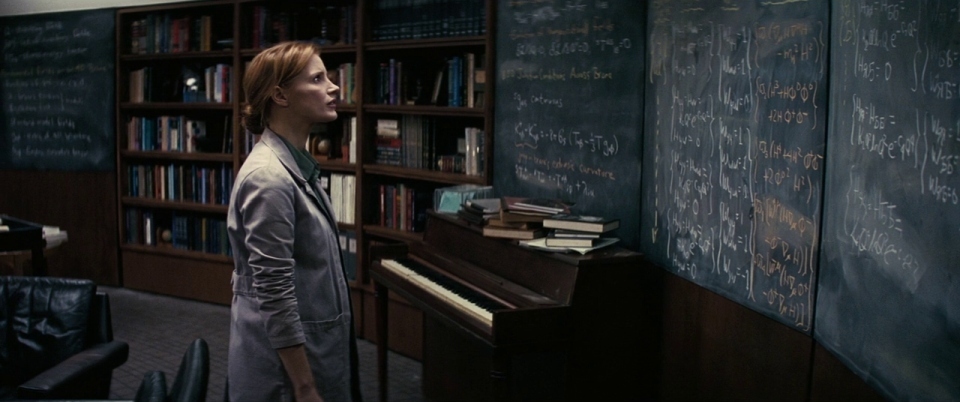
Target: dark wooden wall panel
[
  {"x": 833, "y": 381},
  {"x": 716, "y": 349},
  {"x": 82, "y": 203}
]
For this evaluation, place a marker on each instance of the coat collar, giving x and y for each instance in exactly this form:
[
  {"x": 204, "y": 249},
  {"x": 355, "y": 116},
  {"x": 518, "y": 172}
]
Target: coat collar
[
  {"x": 276, "y": 145},
  {"x": 273, "y": 141}
]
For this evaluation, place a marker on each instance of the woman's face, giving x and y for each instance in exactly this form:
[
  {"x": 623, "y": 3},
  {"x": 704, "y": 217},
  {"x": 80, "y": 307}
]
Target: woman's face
[{"x": 311, "y": 93}]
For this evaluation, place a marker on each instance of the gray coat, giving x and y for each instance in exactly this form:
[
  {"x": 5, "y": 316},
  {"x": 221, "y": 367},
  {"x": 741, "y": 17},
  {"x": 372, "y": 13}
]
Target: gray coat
[{"x": 289, "y": 286}]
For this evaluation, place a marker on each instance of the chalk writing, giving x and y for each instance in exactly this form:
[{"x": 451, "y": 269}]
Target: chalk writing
[
  {"x": 57, "y": 103},
  {"x": 736, "y": 153},
  {"x": 569, "y": 116}
]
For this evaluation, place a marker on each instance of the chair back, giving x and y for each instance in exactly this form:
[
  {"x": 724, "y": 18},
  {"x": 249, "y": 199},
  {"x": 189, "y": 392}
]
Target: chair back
[
  {"x": 190, "y": 384},
  {"x": 153, "y": 387},
  {"x": 43, "y": 321}
]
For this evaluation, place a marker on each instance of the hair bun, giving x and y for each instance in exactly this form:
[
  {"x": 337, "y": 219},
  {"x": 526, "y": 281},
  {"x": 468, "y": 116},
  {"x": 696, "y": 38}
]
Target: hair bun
[{"x": 251, "y": 120}]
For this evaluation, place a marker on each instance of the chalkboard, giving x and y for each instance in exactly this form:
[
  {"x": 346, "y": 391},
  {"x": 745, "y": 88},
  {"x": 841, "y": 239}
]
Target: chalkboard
[
  {"x": 569, "y": 95},
  {"x": 733, "y": 149},
  {"x": 57, "y": 91},
  {"x": 888, "y": 303}
]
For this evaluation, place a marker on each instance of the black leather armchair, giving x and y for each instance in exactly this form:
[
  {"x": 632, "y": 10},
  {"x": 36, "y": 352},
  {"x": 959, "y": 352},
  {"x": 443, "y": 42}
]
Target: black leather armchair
[
  {"x": 193, "y": 374},
  {"x": 153, "y": 388},
  {"x": 57, "y": 339},
  {"x": 190, "y": 385}
]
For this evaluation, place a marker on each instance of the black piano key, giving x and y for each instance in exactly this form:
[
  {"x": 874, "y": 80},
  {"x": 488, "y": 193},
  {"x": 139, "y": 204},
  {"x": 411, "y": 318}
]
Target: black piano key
[{"x": 457, "y": 288}]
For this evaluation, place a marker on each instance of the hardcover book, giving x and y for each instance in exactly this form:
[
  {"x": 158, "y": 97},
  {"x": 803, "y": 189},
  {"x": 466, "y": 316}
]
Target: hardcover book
[
  {"x": 554, "y": 241},
  {"x": 513, "y": 233},
  {"x": 574, "y": 234},
  {"x": 583, "y": 223},
  {"x": 539, "y": 205}
]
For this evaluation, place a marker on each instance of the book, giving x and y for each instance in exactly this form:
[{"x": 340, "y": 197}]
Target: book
[
  {"x": 484, "y": 205},
  {"x": 471, "y": 217},
  {"x": 541, "y": 244},
  {"x": 583, "y": 223},
  {"x": 496, "y": 221},
  {"x": 574, "y": 234},
  {"x": 553, "y": 241},
  {"x": 479, "y": 211},
  {"x": 539, "y": 205},
  {"x": 521, "y": 216},
  {"x": 513, "y": 233},
  {"x": 437, "y": 86}
]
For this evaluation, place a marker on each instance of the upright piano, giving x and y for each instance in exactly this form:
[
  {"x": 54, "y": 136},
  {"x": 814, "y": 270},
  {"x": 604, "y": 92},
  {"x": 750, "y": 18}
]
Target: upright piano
[{"x": 504, "y": 322}]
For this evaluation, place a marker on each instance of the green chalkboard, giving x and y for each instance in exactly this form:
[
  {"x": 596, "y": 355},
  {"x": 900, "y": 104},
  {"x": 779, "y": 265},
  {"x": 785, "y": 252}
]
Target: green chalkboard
[
  {"x": 569, "y": 102},
  {"x": 733, "y": 149},
  {"x": 57, "y": 91},
  {"x": 888, "y": 302}
]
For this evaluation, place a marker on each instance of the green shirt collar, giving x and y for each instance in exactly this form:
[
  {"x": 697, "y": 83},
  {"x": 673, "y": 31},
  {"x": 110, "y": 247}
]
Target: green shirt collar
[{"x": 308, "y": 166}]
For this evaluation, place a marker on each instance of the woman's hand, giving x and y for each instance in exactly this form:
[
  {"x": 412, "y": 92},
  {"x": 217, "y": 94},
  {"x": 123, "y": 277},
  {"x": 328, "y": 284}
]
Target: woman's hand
[{"x": 295, "y": 362}]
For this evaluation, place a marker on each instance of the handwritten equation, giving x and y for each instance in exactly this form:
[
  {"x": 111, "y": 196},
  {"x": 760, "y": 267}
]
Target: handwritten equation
[
  {"x": 568, "y": 114},
  {"x": 738, "y": 149}
]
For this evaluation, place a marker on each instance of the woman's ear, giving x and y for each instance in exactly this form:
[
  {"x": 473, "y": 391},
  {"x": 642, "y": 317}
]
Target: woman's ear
[{"x": 279, "y": 97}]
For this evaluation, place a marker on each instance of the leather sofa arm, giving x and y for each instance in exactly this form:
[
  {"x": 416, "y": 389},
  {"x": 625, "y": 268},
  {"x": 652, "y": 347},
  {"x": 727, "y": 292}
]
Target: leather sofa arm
[{"x": 74, "y": 374}]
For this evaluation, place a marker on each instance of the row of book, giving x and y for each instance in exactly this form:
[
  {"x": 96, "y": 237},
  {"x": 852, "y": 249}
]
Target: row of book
[
  {"x": 348, "y": 249},
  {"x": 344, "y": 77},
  {"x": 342, "y": 190},
  {"x": 178, "y": 182},
  {"x": 212, "y": 84},
  {"x": 539, "y": 223},
  {"x": 329, "y": 25},
  {"x": 459, "y": 81},
  {"x": 416, "y": 19},
  {"x": 403, "y": 207},
  {"x": 412, "y": 141},
  {"x": 175, "y": 134},
  {"x": 163, "y": 33},
  {"x": 192, "y": 232}
]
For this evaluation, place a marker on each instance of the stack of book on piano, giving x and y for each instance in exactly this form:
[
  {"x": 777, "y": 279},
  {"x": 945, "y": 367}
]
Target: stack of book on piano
[
  {"x": 580, "y": 233},
  {"x": 522, "y": 218},
  {"x": 479, "y": 211}
]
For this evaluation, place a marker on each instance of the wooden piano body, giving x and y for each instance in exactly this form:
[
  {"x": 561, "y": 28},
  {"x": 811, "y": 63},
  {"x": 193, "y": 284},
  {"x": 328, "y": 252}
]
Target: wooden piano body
[{"x": 574, "y": 326}]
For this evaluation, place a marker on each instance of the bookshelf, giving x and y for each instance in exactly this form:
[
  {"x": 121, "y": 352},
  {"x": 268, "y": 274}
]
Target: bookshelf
[{"x": 179, "y": 98}]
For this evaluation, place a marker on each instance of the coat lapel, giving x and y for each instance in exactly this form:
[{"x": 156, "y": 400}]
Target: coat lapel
[{"x": 275, "y": 143}]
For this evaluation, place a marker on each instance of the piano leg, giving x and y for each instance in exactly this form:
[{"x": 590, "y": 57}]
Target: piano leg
[{"x": 381, "y": 312}]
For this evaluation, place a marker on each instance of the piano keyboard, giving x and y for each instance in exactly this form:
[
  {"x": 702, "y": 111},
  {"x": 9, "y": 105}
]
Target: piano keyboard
[{"x": 455, "y": 293}]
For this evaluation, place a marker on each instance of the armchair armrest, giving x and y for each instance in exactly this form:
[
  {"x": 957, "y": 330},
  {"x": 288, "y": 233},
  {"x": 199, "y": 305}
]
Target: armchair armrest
[{"x": 77, "y": 373}]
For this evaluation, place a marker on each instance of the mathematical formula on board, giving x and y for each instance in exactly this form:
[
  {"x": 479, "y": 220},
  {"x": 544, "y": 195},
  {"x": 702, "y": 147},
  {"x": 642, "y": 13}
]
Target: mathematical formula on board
[
  {"x": 733, "y": 162},
  {"x": 568, "y": 111}
]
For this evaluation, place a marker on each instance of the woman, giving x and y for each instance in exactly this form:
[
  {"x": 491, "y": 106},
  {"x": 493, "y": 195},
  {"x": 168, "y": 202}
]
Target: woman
[{"x": 291, "y": 331}]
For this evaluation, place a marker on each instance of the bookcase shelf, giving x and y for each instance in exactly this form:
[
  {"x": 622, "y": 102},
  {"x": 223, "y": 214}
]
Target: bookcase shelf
[
  {"x": 174, "y": 205},
  {"x": 181, "y": 56},
  {"x": 399, "y": 172},
  {"x": 426, "y": 110},
  {"x": 324, "y": 50},
  {"x": 175, "y": 106},
  {"x": 178, "y": 253},
  {"x": 233, "y": 32},
  {"x": 337, "y": 165},
  {"x": 177, "y": 156},
  {"x": 428, "y": 43},
  {"x": 392, "y": 234}
]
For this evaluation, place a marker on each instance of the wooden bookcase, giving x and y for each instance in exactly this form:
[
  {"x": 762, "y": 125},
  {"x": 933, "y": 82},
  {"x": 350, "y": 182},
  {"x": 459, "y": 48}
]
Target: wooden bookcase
[{"x": 226, "y": 34}]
